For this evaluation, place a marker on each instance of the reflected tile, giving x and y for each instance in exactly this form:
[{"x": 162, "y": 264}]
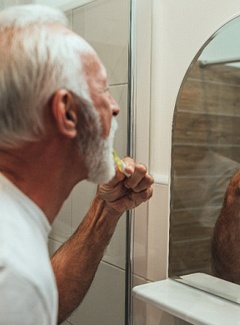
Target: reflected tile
[
  {"x": 24, "y": 2},
  {"x": 139, "y": 240},
  {"x": 82, "y": 196},
  {"x": 8, "y": 3},
  {"x": 69, "y": 15},
  {"x": 115, "y": 253},
  {"x": 53, "y": 245},
  {"x": 66, "y": 323},
  {"x": 139, "y": 307},
  {"x": 158, "y": 229},
  {"x": 178, "y": 321},
  {"x": 62, "y": 225},
  {"x": 111, "y": 43},
  {"x": 120, "y": 94},
  {"x": 105, "y": 301}
]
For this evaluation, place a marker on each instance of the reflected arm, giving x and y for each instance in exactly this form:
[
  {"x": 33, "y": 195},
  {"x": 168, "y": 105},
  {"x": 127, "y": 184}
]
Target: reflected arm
[{"x": 226, "y": 235}]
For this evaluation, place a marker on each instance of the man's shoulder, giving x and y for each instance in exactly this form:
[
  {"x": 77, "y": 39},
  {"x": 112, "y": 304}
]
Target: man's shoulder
[{"x": 21, "y": 301}]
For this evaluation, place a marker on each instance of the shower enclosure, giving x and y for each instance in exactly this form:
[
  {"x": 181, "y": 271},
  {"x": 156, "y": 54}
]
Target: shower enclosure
[{"x": 105, "y": 24}]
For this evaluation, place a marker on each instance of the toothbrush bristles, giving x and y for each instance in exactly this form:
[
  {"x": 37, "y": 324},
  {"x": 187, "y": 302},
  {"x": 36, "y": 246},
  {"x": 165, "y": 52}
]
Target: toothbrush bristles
[{"x": 117, "y": 160}]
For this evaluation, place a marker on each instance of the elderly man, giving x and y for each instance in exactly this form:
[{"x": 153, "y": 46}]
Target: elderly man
[{"x": 57, "y": 122}]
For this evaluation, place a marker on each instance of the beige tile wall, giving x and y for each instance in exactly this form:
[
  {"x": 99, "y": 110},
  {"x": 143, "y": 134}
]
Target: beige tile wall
[
  {"x": 105, "y": 25},
  {"x": 104, "y": 301}
]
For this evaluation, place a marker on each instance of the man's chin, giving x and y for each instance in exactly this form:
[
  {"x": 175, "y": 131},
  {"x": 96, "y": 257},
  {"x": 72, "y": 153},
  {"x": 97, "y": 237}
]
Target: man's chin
[{"x": 103, "y": 175}]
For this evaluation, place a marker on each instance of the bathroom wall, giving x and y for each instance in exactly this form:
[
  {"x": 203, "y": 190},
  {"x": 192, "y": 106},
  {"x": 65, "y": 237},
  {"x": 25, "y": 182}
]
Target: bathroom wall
[
  {"x": 179, "y": 29},
  {"x": 64, "y": 4},
  {"x": 7, "y": 3}
]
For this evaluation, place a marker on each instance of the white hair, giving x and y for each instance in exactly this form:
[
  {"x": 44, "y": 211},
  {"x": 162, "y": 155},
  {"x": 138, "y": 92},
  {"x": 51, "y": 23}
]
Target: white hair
[{"x": 36, "y": 59}]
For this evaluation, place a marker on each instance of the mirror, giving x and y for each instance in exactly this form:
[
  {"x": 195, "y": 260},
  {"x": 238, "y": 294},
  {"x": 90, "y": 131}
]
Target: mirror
[{"x": 205, "y": 156}]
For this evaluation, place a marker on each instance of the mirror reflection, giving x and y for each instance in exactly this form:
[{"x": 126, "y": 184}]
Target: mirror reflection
[{"x": 205, "y": 227}]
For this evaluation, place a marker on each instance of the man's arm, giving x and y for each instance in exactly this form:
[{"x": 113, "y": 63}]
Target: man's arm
[
  {"x": 226, "y": 235},
  {"x": 75, "y": 262}
]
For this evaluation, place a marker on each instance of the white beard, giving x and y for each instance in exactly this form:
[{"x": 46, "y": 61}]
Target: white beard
[{"x": 99, "y": 159}]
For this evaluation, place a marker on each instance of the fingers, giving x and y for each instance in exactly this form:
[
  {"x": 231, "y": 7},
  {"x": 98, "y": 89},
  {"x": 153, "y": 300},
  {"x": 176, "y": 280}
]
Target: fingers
[
  {"x": 123, "y": 193},
  {"x": 143, "y": 184},
  {"x": 137, "y": 175},
  {"x": 131, "y": 200},
  {"x": 117, "y": 178},
  {"x": 139, "y": 179},
  {"x": 111, "y": 193}
]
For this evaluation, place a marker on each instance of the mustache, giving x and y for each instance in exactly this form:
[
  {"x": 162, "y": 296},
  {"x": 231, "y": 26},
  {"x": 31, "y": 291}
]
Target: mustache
[
  {"x": 108, "y": 143},
  {"x": 114, "y": 126}
]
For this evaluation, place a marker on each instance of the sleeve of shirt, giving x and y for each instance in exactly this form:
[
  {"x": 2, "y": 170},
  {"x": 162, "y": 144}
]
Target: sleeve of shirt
[{"x": 21, "y": 302}]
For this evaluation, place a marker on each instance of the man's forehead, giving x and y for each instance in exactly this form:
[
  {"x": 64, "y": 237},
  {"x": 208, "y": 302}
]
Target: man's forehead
[
  {"x": 92, "y": 63},
  {"x": 77, "y": 41}
]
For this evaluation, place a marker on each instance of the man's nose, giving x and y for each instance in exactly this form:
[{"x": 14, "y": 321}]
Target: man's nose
[{"x": 114, "y": 106}]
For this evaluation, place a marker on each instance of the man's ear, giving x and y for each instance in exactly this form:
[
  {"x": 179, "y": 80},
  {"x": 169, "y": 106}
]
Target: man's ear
[{"x": 63, "y": 108}]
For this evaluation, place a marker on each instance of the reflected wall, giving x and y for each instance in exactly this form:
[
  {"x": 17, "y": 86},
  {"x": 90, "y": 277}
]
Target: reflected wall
[{"x": 205, "y": 150}]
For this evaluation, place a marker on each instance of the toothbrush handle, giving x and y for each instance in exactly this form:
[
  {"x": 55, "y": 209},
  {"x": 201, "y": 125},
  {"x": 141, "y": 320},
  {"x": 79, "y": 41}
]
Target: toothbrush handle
[{"x": 123, "y": 167}]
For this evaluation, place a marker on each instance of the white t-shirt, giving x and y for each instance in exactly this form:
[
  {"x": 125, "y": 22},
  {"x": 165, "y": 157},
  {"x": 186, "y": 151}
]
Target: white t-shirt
[{"x": 28, "y": 293}]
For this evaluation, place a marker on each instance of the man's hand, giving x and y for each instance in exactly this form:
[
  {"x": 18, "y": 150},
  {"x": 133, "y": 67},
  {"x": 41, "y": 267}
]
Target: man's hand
[
  {"x": 75, "y": 262},
  {"x": 124, "y": 193}
]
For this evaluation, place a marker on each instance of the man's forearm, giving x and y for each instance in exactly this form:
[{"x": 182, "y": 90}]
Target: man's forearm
[
  {"x": 226, "y": 235},
  {"x": 75, "y": 262},
  {"x": 226, "y": 246}
]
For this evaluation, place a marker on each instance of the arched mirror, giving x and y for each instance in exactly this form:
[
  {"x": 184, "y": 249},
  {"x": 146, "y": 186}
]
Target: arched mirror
[{"x": 205, "y": 156}]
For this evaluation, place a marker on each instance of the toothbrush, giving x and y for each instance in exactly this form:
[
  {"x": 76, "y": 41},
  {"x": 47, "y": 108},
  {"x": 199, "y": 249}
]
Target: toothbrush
[{"x": 121, "y": 165}]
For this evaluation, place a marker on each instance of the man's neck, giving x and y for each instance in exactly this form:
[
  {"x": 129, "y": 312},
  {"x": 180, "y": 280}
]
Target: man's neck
[{"x": 43, "y": 172}]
